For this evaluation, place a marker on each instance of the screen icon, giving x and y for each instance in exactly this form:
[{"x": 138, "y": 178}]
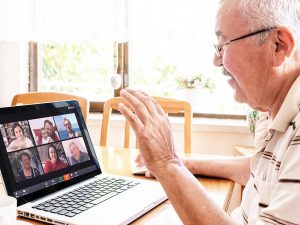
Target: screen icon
[{"x": 67, "y": 177}]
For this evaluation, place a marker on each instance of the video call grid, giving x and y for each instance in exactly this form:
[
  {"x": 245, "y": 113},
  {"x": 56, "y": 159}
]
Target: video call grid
[{"x": 35, "y": 155}]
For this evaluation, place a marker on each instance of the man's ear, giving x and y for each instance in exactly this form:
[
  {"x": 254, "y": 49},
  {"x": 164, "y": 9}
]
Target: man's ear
[{"x": 283, "y": 45}]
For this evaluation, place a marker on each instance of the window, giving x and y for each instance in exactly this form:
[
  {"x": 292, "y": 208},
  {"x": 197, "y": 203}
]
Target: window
[
  {"x": 80, "y": 67},
  {"x": 167, "y": 39}
]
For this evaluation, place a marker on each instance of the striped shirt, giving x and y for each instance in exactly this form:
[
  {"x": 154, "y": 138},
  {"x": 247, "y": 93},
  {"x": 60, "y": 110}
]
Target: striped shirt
[{"x": 272, "y": 194}]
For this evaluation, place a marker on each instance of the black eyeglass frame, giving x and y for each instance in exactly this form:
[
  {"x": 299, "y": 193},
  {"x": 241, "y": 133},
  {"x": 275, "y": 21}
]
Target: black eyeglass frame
[{"x": 220, "y": 47}]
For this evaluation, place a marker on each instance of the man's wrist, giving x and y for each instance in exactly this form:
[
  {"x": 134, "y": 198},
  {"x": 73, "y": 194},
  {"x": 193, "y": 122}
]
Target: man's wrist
[{"x": 166, "y": 168}]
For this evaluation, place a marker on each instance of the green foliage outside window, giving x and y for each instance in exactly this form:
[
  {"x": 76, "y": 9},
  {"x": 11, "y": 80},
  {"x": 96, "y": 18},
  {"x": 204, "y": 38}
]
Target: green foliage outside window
[
  {"x": 83, "y": 67},
  {"x": 157, "y": 79}
]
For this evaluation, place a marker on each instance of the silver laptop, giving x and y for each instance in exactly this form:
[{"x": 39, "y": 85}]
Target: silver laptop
[{"x": 49, "y": 164}]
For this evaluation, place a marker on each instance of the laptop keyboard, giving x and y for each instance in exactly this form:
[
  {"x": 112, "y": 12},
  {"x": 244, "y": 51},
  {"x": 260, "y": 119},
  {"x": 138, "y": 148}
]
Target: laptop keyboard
[{"x": 79, "y": 200}]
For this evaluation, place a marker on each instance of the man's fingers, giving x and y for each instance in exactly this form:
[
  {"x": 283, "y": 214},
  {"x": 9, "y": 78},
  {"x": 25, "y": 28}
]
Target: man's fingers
[
  {"x": 146, "y": 100},
  {"x": 136, "y": 104},
  {"x": 155, "y": 103},
  {"x": 159, "y": 108},
  {"x": 148, "y": 174},
  {"x": 139, "y": 160},
  {"x": 133, "y": 120}
]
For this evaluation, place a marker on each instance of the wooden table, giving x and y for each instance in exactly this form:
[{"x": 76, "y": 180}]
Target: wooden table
[
  {"x": 118, "y": 161},
  {"x": 244, "y": 150}
]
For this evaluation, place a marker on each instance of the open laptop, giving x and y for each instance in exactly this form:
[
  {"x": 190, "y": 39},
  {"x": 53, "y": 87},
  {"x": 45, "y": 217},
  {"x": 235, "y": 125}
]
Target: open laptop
[{"x": 49, "y": 164}]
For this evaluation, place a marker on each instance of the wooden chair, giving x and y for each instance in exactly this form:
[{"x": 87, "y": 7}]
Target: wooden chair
[
  {"x": 39, "y": 97},
  {"x": 169, "y": 106}
]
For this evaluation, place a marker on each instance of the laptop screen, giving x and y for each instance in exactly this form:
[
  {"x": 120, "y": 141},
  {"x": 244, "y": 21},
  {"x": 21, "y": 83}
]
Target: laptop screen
[{"x": 44, "y": 148}]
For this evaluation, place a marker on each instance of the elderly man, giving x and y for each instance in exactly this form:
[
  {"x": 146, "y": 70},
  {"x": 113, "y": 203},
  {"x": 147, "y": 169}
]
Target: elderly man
[
  {"x": 258, "y": 49},
  {"x": 77, "y": 155}
]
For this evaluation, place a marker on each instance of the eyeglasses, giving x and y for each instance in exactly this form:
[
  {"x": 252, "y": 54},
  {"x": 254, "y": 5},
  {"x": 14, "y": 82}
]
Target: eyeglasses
[{"x": 220, "y": 48}]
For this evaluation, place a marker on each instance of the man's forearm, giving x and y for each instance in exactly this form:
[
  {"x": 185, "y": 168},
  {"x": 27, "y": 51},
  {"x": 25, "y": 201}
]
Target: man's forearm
[
  {"x": 188, "y": 197},
  {"x": 233, "y": 168}
]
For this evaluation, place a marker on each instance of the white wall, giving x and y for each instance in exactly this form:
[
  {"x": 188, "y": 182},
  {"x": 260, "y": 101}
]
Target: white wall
[
  {"x": 209, "y": 136},
  {"x": 13, "y": 70}
]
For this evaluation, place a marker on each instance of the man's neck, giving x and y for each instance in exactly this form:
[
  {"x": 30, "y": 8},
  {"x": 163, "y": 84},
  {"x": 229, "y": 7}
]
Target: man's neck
[
  {"x": 277, "y": 104},
  {"x": 281, "y": 94}
]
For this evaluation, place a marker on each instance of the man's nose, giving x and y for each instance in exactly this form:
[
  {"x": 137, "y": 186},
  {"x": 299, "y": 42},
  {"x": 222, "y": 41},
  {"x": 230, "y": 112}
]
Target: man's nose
[{"x": 217, "y": 60}]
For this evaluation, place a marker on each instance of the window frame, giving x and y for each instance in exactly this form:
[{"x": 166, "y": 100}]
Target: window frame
[{"x": 121, "y": 67}]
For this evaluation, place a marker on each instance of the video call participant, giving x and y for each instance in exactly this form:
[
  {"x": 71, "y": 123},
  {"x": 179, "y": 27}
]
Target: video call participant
[
  {"x": 48, "y": 126},
  {"x": 45, "y": 137},
  {"x": 54, "y": 163},
  {"x": 27, "y": 172},
  {"x": 77, "y": 155},
  {"x": 71, "y": 133},
  {"x": 21, "y": 141}
]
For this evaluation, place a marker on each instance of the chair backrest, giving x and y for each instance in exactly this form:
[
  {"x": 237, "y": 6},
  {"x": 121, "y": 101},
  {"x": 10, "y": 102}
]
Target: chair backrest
[
  {"x": 169, "y": 106},
  {"x": 39, "y": 97}
]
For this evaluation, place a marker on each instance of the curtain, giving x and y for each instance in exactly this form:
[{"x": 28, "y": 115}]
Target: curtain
[
  {"x": 40, "y": 20},
  {"x": 56, "y": 20},
  {"x": 171, "y": 19}
]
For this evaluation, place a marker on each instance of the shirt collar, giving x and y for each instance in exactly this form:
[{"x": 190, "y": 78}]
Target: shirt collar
[{"x": 288, "y": 109}]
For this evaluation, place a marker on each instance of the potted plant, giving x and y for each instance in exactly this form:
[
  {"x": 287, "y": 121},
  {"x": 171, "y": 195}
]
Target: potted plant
[
  {"x": 252, "y": 117},
  {"x": 195, "y": 89},
  {"x": 195, "y": 82}
]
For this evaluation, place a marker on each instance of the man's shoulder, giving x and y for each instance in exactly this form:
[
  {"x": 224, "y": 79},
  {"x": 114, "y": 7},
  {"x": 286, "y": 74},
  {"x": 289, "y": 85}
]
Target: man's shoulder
[
  {"x": 54, "y": 136},
  {"x": 72, "y": 159},
  {"x": 85, "y": 154}
]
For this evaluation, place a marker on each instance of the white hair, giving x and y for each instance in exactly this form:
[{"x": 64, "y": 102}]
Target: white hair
[{"x": 272, "y": 13}]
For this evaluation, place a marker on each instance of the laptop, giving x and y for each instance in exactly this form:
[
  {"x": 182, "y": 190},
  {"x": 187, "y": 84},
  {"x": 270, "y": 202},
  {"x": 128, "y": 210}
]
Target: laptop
[{"x": 49, "y": 164}]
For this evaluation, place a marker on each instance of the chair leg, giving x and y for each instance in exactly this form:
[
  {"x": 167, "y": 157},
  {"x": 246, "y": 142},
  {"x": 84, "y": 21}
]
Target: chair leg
[{"x": 127, "y": 135}]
